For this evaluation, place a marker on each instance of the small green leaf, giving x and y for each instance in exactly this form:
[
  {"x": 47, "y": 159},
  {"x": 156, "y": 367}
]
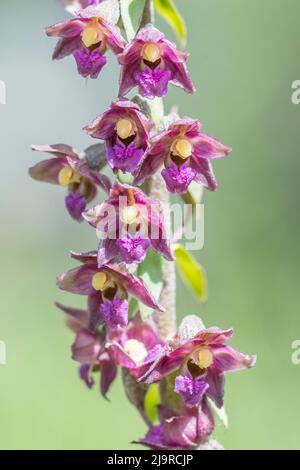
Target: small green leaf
[
  {"x": 169, "y": 12},
  {"x": 152, "y": 400},
  {"x": 131, "y": 13},
  {"x": 132, "y": 308},
  {"x": 192, "y": 272},
  {"x": 151, "y": 271},
  {"x": 125, "y": 178},
  {"x": 220, "y": 413}
]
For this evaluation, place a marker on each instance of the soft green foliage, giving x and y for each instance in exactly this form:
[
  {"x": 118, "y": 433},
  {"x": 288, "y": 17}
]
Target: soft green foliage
[
  {"x": 131, "y": 13},
  {"x": 151, "y": 271},
  {"x": 170, "y": 13},
  {"x": 192, "y": 272},
  {"x": 152, "y": 400}
]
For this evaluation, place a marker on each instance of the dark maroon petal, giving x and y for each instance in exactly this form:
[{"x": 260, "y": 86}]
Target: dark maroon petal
[
  {"x": 113, "y": 37},
  {"x": 66, "y": 47},
  {"x": 181, "y": 432},
  {"x": 205, "y": 174},
  {"x": 86, "y": 376},
  {"x": 209, "y": 147},
  {"x": 216, "y": 381},
  {"x": 108, "y": 251},
  {"x": 75, "y": 204},
  {"x": 86, "y": 348},
  {"x": 57, "y": 150},
  {"x": 78, "y": 280},
  {"x": 76, "y": 319},
  {"x": 227, "y": 359},
  {"x": 108, "y": 370},
  {"x": 66, "y": 29},
  {"x": 94, "y": 303},
  {"x": 135, "y": 286},
  {"x": 127, "y": 80},
  {"x": 155, "y": 438},
  {"x": 95, "y": 178},
  {"x": 47, "y": 171},
  {"x": 86, "y": 258}
]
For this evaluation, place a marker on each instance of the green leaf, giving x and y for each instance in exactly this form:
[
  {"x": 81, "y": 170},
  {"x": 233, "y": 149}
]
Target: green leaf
[
  {"x": 152, "y": 400},
  {"x": 192, "y": 272},
  {"x": 169, "y": 12},
  {"x": 125, "y": 178},
  {"x": 220, "y": 413},
  {"x": 133, "y": 307},
  {"x": 151, "y": 271},
  {"x": 131, "y": 13}
]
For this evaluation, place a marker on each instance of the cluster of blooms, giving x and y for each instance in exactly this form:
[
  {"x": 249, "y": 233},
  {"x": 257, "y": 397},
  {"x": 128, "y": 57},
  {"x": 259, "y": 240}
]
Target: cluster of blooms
[{"x": 190, "y": 366}]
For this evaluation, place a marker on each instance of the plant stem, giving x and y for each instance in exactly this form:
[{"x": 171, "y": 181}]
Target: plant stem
[{"x": 166, "y": 321}]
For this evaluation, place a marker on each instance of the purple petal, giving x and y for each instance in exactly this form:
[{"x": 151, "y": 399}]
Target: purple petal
[
  {"x": 216, "y": 381},
  {"x": 85, "y": 375},
  {"x": 77, "y": 319},
  {"x": 86, "y": 348},
  {"x": 191, "y": 390},
  {"x": 153, "y": 83},
  {"x": 205, "y": 174},
  {"x": 66, "y": 29},
  {"x": 78, "y": 280},
  {"x": 76, "y": 204},
  {"x": 89, "y": 64},
  {"x": 57, "y": 150},
  {"x": 47, "y": 171},
  {"x": 178, "y": 179},
  {"x": 125, "y": 158},
  {"x": 108, "y": 370},
  {"x": 133, "y": 249},
  {"x": 209, "y": 147},
  {"x": 227, "y": 359},
  {"x": 108, "y": 251},
  {"x": 135, "y": 286},
  {"x": 115, "y": 313},
  {"x": 66, "y": 47}
]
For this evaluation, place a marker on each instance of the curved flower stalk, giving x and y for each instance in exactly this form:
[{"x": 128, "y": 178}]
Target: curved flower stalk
[
  {"x": 67, "y": 169},
  {"x": 175, "y": 379}
]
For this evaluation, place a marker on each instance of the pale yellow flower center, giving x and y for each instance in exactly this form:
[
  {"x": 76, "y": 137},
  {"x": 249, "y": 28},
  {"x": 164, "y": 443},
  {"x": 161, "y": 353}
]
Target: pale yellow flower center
[
  {"x": 130, "y": 215},
  {"x": 99, "y": 281},
  {"x": 151, "y": 52},
  {"x": 183, "y": 148},
  {"x": 135, "y": 350},
  {"x": 124, "y": 128},
  {"x": 92, "y": 34},
  {"x": 67, "y": 176},
  {"x": 205, "y": 358}
]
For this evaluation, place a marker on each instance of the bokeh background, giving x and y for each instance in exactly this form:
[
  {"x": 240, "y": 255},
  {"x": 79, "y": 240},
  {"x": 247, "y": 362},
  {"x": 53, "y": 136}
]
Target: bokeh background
[{"x": 244, "y": 58}]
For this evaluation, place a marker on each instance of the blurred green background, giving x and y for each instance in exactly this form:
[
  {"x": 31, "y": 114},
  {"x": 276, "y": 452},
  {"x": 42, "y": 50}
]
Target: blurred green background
[{"x": 244, "y": 57}]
